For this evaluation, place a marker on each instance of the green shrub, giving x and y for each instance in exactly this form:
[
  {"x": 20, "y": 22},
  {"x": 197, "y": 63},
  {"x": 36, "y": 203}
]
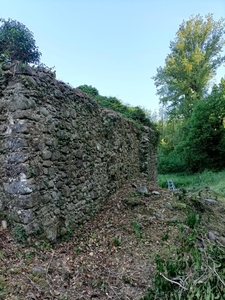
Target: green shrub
[
  {"x": 136, "y": 114},
  {"x": 17, "y": 42},
  {"x": 19, "y": 234}
]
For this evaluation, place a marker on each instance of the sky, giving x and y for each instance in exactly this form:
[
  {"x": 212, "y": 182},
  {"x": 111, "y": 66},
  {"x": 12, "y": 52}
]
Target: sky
[{"x": 115, "y": 46}]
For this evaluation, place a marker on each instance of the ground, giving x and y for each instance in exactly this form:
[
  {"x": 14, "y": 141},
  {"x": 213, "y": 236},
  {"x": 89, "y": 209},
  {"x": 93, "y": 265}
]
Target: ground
[{"x": 109, "y": 257}]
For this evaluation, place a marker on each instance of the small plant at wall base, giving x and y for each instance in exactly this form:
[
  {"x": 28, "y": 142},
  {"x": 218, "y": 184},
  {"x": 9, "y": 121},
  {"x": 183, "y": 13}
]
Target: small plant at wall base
[
  {"x": 31, "y": 170},
  {"x": 19, "y": 233}
]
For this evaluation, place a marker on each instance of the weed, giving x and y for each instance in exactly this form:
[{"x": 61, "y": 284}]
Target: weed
[
  {"x": 3, "y": 150},
  {"x": 198, "y": 205},
  {"x": 19, "y": 233},
  {"x": 117, "y": 242},
  {"x": 69, "y": 233},
  {"x": 2, "y": 254},
  {"x": 27, "y": 256},
  {"x": 46, "y": 245},
  {"x": 165, "y": 237},
  {"x": 137, "y": 229},
  {"x": 31, "y": 170},
  {"x": 94, "y": 236},
  {"x": 193, "y": 219},
  {"x": 77, "y": 250}
]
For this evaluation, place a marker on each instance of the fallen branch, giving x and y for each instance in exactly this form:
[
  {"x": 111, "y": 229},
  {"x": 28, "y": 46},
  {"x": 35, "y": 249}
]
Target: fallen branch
[
  {"x": 172, "y": 281},
  {"x": 218, "y": 276}
]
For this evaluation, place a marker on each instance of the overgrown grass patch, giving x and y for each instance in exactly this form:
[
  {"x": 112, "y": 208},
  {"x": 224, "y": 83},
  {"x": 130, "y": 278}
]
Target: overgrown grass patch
[{"x": 213, "y": 180}]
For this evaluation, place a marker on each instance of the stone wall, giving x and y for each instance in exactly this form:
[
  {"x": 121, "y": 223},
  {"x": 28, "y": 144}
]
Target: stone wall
[{"x": 61, "y": 155}]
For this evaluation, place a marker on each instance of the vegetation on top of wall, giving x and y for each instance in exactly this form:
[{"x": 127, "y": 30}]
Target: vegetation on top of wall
[
  {"x": 17, "y": 43},
  {"x": 136, "y": 114}
]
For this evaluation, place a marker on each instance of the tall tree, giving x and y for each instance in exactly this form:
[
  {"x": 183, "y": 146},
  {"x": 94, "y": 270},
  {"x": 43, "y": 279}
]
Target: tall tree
[
  {"x": 17, "y": 43},
  {"x": 193, "y": 61}
]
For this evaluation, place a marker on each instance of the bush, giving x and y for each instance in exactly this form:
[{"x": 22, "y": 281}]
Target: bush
[
  {"x": 170, "y": 163},
  {"x": 134, "y": 113},
  {"x": 17, "y": 43}
]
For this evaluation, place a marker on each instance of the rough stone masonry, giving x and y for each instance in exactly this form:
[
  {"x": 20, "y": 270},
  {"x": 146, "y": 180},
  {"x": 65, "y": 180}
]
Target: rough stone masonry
[{"x": 61, "y": 155}]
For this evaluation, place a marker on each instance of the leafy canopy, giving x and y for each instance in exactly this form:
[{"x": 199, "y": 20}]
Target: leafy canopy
[
  {"x": 203, "y": 145},
  {"x": 17, "y": 42},
  {"x": 202, "y": 138},
  {"x": 195, "y": 56}
]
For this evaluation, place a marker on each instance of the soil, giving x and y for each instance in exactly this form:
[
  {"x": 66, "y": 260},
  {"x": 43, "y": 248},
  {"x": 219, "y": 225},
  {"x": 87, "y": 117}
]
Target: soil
[{"x": 109, "y": 257}]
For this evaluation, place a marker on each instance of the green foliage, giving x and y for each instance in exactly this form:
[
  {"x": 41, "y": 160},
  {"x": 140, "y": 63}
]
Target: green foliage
[
  {"x": 193, "y": 219},
  {"x": 203, "y": 144},
  {"x": 46, "y": 245},
  {"x": 17, "y": 43},
  {"x": 19, "y": 234},
  {"x": 170, "y": 163},
  {"x": 137, "y": 229},
  {"x": 68, "y": 233},
  {"x": 117, "y": 242},
  {"x": 195, "y": 56},
  {"x": 77, "y": 250},
  {"x": 165, "y": 237},
  {"x": 136, "y": 114},
  {"x": 213, "y": 180},
  {"x": 89, "y": 89},
  {"x": 3, "y": 287},
  {"x": 192, "y": 134},
  {"x": 192, "y": 273}
]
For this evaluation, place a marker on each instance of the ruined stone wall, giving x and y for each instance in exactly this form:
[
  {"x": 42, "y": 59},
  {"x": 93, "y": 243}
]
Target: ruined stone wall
[{"x": 61, "y": 156}]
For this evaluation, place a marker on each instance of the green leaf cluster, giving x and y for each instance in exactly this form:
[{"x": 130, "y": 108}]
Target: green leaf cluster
[
  {"x": 17, "y": 43},
  {"x": 203, "y": 145},
  {"x": 202, "y": 138}
]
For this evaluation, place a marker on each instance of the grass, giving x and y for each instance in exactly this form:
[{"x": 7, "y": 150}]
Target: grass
[{"x": 214, "y": 180}]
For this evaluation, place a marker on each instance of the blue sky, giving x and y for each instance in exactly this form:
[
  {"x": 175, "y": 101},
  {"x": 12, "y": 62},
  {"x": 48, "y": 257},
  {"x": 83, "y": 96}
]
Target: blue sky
[{"x": 113, "y": 45}]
